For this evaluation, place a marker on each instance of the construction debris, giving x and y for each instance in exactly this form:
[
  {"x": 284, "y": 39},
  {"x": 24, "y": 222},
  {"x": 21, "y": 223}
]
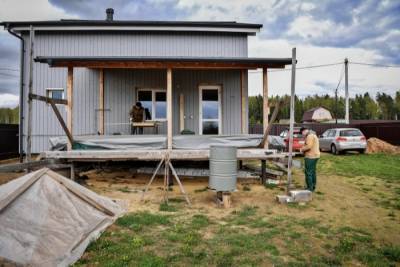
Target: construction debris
[
  {"x": 296, "y": 196},
  {"x": 49, "y": 220},
  {"x": 375, "y": 145}
]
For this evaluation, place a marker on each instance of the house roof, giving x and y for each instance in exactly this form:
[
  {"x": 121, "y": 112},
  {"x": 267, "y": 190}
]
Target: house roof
[
  {"x": 134, "y": 25},
  {"x": 166, "y": 62}
]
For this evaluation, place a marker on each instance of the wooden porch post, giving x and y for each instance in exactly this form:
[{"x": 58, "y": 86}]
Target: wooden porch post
[
  {"x": 265, "y": 102},
  {"x": 243, "y": 101},
  {"x": 101, "y": 101},
  {"x": 181, "y": 112},
  {"x": 70, "y": 92},
  {"x": 169, "y": 108}
]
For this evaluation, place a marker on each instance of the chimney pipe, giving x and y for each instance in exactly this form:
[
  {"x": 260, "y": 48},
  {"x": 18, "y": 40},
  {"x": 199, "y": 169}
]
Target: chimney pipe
[{"x": 110, "y": 14}]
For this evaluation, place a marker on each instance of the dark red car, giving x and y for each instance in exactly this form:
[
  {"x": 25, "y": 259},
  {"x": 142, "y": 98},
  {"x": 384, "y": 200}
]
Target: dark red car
[{"x": 298, "y": 138}]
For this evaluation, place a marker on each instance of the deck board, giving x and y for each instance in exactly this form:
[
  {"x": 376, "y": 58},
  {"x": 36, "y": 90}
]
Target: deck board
[{"x": 154, "y": 155}]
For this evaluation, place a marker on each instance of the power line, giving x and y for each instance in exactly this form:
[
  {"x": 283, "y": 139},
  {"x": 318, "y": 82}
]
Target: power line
[
  {"x": 301, "y": 68},
  {"x": 340, "y": 79},
  {"x": 374, "y": 65}
]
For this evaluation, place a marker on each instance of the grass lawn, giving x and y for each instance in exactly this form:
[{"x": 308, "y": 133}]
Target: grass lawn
[{"x": 352, "y": 221}]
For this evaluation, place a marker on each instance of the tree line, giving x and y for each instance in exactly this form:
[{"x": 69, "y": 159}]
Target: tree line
[
  {"x": 9, "y": 115},
  {"x": 362, "y": 107}
]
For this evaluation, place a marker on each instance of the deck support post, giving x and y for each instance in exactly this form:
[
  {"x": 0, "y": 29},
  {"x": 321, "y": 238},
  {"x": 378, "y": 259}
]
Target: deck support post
[
  {"x": 263, "y": 171},
  {"x": 169, "y": 108},
  {"x": 101, "y": 102},
  {"x": 70, "y": 93},
  {"x": 181, "y": 112},
  {"x": 265, "y": 103}
]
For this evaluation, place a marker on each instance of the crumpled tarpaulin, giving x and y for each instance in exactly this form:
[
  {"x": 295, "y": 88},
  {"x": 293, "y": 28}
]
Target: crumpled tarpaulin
[
  {"x": 131, "y": 142},
  {"x": 49, "y": 220}
]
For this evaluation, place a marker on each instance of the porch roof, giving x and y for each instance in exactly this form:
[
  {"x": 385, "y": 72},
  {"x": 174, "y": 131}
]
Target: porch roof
[{"x": 145, "y": 62}]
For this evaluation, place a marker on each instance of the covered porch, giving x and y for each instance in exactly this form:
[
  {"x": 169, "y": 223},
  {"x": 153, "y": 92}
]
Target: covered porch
[{"x": 175, "y": 74}]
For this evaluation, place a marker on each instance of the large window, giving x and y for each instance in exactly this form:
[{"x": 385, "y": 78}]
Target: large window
[
  {"x": 154, "y": 101},
  {"x": 210, "y": 110}
]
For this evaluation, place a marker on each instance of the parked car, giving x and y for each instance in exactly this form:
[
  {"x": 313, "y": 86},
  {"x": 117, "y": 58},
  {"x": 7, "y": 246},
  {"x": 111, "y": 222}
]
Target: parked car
[
  {"x": 342, "y": 139},
  {"x": 298, "y": 138}
]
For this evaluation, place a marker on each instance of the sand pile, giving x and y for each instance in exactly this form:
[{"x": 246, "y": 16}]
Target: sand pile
[{"x": 375, "y": 145}]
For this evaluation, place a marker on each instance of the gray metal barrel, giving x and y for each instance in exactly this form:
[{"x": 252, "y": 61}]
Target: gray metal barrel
[{"x": 223, "y": 168}]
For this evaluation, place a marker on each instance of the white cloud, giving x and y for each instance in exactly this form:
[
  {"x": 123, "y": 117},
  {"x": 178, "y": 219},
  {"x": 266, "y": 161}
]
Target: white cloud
[
  {"x": 8, "y": 100},
  {"x": 361, "y": 78},
  {"x": 307, "y": 27},
  {"x": 25, "y": 10}
]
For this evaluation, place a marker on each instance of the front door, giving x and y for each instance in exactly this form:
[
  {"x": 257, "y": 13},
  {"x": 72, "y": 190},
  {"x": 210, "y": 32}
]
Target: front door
[{"x": 210, "y": 109}]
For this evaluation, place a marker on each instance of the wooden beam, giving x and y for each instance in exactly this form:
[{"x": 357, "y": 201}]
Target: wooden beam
[
  {"x": 154, "y": 155},
  {"x": 61, "y": 121},
  {"x": 101, "y": 101},
  {"x": 70, "y": 94},
  {"x": 21, "y": 189},
  {"x": 243, "y": 101},
  {"x": 169, "y": 108},
  {"x": 265, "y": 102},
  {"x": 181, "y": 112},
  {"x": 48, "y": 99},
  {"x": 163, "y": 65}
]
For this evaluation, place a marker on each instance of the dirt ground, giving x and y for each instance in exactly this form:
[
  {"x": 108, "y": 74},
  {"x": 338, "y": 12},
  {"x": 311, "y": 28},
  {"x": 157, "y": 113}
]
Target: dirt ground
[{"x": 337, "y": 202}]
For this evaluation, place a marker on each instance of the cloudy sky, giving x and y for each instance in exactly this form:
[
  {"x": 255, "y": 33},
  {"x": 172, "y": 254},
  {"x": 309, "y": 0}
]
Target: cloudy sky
[{"x": 324, "y": 32}]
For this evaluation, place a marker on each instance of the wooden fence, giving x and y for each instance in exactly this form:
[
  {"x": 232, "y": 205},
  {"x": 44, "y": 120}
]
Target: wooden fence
[
  {"x": 387, "y": 131},
  {"x": 8, "y": 140}
]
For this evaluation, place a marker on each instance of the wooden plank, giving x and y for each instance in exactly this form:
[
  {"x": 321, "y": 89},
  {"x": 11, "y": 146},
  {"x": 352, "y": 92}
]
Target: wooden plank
[
  {"x": 61, "y": 120},
  {"x": 70, "y": 94},
  {"x": 181, "y": 112},
  {"x": 265, "y": 102},
  {"x": 101, "y": 101},
  {"x": 79, "y": 194},
  {"x": 48, "y": 99},
  {"x": 264, "y": 141},
  {"x": 169, "y": 108},
  {"x": 25, "y": 165},
  {"x": 12, "y": 196},
  {"x": 243, "y": 101}
]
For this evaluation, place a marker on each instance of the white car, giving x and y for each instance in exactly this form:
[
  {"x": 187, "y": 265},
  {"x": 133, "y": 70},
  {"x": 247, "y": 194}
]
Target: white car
[{"x": 342, "y": 139}]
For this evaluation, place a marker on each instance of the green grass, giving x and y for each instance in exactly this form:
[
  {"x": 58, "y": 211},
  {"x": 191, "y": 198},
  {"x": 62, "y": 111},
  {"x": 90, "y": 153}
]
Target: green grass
[
  {"x": 151, "y": 239},
  {"x": 257, "y": 235},
  {"x": 382, "y": 166}
]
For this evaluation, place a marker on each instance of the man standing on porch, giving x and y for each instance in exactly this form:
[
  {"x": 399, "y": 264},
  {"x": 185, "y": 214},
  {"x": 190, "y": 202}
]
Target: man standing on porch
[
  {"x": 136, "y": 115},
  {"x": 311, "y": 156}
]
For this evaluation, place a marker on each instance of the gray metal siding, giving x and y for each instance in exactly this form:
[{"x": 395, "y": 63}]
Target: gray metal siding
[
  {"x": 86, "y": 81},
  {"x": 187, "y": 82},
  {"x": 120, "y": 94}
]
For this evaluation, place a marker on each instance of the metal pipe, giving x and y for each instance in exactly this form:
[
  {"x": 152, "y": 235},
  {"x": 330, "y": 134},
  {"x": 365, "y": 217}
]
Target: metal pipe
[
  {"x": 292, "y": 96},
  {"x": 21, "y": 96}
]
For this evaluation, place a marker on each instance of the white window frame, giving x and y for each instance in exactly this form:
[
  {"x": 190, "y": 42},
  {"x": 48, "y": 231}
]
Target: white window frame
[
  {"x": 201, "y": 120},
  {"x": 153, "y": 101},
  {"x": 51, "y": 89}
]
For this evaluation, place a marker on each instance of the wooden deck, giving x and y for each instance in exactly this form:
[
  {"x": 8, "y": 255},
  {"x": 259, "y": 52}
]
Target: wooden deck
[{"x": 154, "y": 155}]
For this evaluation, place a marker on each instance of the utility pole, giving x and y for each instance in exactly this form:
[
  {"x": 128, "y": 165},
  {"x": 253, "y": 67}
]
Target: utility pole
[
  {"x": 30, "y": 90},
  {"x": 346, "y": 86},
  {"x": 292, "y": 95},
  {"x": 336, "y": 104}
]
